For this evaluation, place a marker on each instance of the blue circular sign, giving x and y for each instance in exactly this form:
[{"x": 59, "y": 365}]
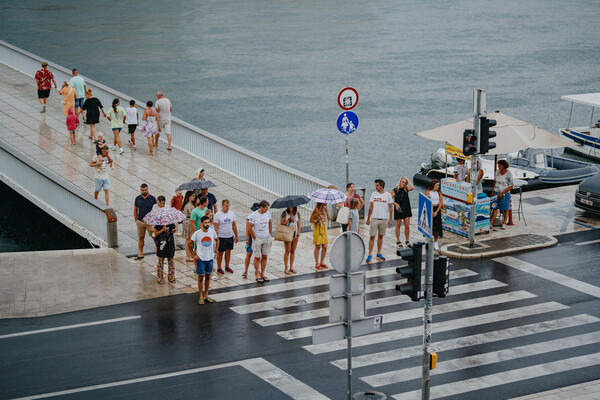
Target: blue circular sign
[{"x": 347, "y": 122}]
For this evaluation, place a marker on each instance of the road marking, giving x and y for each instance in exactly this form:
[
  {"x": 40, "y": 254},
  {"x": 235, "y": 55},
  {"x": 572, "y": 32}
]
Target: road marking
[
  {"x": 550, "y": 275},
  {"x": 478, "y": 360},
  {"x": 282, "y": 287},
  {"x": 449, "y": 325},
  {"x": 503, "y": 378},
  {"x": 257, "y": 366},
  {"x": 588, "y": 242},
  {"x": 62, "y": 328},
  {"x": 323, "y": 296},
  {"x": 467, "y": 341},
  {"x": 394, "y": 300}
]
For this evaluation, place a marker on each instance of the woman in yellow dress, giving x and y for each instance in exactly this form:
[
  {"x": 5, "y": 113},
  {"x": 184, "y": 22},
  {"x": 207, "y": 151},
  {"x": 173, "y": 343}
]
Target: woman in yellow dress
[
  {"x": 319, "y": 218},
  {"x": 68, "y": 93}
]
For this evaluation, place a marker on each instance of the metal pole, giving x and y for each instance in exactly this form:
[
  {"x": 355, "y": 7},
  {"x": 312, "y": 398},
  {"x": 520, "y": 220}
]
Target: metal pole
[
  {"x": 427, "y": 319},
  {"x": 476, "y": 111},
  {"x": 348, "y": 296},
  {"x": 347, "y": 164}
]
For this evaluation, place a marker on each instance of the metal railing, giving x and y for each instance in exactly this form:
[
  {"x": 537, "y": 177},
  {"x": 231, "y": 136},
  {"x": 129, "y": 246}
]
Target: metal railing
[
  {"x": 70, "y": 205},
  {"x": 267, "y": 174}
]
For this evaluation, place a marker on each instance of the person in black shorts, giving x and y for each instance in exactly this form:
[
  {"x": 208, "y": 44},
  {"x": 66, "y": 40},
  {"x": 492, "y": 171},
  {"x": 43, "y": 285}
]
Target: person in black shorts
[
  {"x": 402, "y": 212},
  {"x": 131, "y": 119}
]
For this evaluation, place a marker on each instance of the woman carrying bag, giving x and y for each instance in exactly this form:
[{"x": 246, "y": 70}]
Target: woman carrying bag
[{"x": 290, "y": 218}]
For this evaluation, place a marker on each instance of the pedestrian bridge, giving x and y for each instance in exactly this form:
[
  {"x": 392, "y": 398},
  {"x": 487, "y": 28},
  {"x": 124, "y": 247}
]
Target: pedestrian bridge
[{"x": 37, "y": 160}]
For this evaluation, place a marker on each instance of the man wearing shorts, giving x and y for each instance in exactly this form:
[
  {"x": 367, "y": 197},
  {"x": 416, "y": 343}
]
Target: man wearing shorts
[
  {"x": 226, "y": 228},
  {"x": 380, "y": 210},
  {"x": 44, "y": 78},
  {"x": 164, "y": 109},
  {"x": 260, "y": 229},
  {"x": 207, "y": 242},
  {"x": 142, "y": 206},
  {"x": 78, "y": 83},
  {"x": 101, "y": 181}
]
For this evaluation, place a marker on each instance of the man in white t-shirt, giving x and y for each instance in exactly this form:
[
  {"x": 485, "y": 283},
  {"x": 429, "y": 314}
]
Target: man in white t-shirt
[
  {"x": 164, "y": 109},
  {"x": 207, "y": 242},
  {"x": 380, "y": 210},
  {"x": 260, "y": 228},
  {"x": 224, "y": 223},
  {"x": 101, "y": 181}
]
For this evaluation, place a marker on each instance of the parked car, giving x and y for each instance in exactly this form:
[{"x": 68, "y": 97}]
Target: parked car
[{"x": 587, "y": 196}]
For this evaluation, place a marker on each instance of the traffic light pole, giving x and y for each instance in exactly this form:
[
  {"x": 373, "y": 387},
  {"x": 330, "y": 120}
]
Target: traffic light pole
[
  {"x": 479, "y": 100},
  {"x": 427, "y": 319}
]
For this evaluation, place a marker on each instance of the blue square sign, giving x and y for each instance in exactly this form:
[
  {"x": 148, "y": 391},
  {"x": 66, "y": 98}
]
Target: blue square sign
[{"x": 425, "y": 216}]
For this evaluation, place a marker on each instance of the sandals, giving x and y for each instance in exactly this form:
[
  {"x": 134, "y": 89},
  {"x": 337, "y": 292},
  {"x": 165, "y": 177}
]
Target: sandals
[
  {"x": 209, "y": 300},
  {"x": 265, "y": 279},
  {"x": 137, "y": 258},
  {"x": 259, "y": 280},
  {"x": 287, "y": 272},
  {"x": 244, "y": 275},
  {"x": 292, "y": 271},
  {"x": 321, "y": 266},
  {"x": 201, "y": 301}
]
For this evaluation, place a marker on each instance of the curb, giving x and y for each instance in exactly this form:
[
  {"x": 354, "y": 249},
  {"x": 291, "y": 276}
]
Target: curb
[
  {"x": 59, "y": 253},
  {"x": 495, "y": 253}
]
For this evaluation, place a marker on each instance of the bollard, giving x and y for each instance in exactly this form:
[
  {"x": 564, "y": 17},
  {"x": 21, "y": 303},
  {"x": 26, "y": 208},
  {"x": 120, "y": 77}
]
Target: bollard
[
  {"x": 510, "y": 221},
  {"x": 369, "y": 395}
]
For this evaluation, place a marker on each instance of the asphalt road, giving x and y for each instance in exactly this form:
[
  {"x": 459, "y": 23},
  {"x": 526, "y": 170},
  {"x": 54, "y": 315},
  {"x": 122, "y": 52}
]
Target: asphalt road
[{"x": 509, "y": 327}]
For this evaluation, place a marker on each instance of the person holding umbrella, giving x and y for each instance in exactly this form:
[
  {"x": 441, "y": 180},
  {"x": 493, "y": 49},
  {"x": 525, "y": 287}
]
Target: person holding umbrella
[
  {"x": 164, "y": 220},
  {"x": 319, "y": 218}
]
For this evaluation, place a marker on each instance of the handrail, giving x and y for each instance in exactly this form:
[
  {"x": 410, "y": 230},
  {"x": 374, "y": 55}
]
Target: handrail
[
  {"x": 71, "y": 205},
  {"x": 268, "y": 174}
]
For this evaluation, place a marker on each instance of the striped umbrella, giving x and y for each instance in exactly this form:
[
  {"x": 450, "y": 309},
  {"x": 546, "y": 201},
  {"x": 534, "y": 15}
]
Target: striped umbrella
[
  {"x": 164, "y": 216},
  {"x": 328, "y": 196}
]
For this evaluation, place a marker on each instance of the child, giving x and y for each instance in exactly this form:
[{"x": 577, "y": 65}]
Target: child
[
  {"x": 131, "y": 119},
  {"x": 353, "y": 218},
  {"x": 100, "y": 143},
  {"x": 72, "y": 122}
]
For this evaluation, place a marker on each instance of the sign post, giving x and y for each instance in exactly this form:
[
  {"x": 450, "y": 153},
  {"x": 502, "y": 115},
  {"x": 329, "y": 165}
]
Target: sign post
[{"x": 347, "y": 122}]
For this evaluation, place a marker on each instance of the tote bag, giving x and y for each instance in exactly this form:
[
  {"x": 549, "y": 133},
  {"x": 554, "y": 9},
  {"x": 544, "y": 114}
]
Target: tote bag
[
  {"x": 342, "y": 217},
  {"x": 284, "y": 233}
]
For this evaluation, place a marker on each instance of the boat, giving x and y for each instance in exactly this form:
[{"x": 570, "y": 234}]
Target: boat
[
  {"x": 586, "y": 139},
  {"x": 532, "y": 169}
]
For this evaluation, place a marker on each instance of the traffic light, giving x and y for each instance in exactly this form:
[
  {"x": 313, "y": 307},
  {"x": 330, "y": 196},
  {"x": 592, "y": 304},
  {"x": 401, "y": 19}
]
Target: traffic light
[
  {"x": 485, "y": 134},
  {"x": 469, "y": 142},
  {"x": 412, "y": 272},
  {"x": 441, "y": 276}
]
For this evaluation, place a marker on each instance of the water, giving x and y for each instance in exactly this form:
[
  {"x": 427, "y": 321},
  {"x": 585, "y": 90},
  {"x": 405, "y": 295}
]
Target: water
[{"x": 265, "y": 74}]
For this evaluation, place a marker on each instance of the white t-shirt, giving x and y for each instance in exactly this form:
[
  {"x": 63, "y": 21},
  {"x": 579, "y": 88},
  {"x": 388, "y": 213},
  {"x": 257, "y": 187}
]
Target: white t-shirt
[
  {"x": 164, "y": 109},
  {"x": 261, "y": 224},
  {"x": 131, "y": 116},
  {"x": 381, "y": 205},
  {"x": 225, "y": 221},
  {"x": 103, "y": 173},
  {"x": 205, "y": 243}
]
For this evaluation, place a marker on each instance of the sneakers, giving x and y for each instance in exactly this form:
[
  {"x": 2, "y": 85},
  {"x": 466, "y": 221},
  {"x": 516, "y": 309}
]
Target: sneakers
[
  {"x": 43, "y": 109},
  {"x": 369, "y": 258},
  {"x": 121, "y": 151},
  {"x": 220, "y": 271},
  {"x": 380, "y": 257},
  {"x": 134, "y": 147},
  {"x": 229, "y": 270},
  {"x": 114, "y": 147},
  {"x": 435, "y": 246}
]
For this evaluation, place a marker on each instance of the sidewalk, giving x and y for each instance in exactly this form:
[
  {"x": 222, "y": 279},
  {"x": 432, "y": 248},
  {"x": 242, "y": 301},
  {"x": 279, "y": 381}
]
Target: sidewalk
[{"x": 583, "y": 391}]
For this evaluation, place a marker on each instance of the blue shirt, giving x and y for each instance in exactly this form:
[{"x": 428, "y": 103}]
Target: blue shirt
[{"x": 78, "y": 83}]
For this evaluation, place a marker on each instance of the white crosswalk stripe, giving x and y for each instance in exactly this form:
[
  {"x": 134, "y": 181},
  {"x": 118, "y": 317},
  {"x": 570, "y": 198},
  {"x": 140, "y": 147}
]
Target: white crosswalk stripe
[{"x": 485, "y": 304}]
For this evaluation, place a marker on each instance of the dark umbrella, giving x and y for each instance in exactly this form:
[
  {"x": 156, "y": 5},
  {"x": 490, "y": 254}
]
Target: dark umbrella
[
  {"x": 293, "y": 200},
  {"x": 193, "y": 185}
]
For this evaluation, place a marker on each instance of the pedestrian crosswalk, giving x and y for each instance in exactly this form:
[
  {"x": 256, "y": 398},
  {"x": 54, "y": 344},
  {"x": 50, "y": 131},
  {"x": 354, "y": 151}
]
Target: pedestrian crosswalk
[{"x": 485, "y": 333}]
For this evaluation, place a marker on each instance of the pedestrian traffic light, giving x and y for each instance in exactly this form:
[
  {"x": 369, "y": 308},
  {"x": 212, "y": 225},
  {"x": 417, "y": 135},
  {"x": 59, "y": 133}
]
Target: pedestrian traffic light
[
  {"x": 469, "y": 142},
  {"x": 412, "y": 272},
  {"x": 485, "y": 134},
  {"x": 441, "y": 276}
]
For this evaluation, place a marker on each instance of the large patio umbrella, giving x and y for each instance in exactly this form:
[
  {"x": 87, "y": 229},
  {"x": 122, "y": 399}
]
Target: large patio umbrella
[{"x": 512, "y": 135}]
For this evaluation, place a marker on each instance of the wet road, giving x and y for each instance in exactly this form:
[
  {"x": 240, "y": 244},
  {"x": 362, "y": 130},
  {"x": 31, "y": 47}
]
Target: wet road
[{"x": 508, "y": 328}]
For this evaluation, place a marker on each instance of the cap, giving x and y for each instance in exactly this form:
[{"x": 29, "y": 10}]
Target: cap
[{"x": 255, "y": 206}]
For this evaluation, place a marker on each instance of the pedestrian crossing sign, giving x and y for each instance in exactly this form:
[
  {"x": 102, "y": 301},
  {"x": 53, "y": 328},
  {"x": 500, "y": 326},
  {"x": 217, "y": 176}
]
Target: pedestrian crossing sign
[{"x": 425, "y": 215}]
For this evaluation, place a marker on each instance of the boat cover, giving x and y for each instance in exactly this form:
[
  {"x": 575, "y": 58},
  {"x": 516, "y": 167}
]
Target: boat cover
[{"x": 589, "y": 99}]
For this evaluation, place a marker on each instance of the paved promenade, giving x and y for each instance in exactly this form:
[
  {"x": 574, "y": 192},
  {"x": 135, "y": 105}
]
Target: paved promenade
[{"x": 44, "y": 137}]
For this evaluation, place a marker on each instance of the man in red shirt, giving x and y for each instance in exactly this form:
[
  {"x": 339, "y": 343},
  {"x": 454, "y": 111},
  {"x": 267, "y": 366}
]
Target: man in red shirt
[{"x": 44, "y": 78}]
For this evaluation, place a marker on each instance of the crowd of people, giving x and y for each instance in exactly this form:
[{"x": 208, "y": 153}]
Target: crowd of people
[{"x": 211, "y": 233}]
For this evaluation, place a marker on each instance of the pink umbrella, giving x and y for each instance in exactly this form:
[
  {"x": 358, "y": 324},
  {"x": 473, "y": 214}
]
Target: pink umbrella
[{"x": 164, "y": 216}]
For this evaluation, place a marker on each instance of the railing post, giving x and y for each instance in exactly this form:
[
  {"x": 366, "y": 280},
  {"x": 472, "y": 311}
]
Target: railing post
[{"x": 112, "y": 233}]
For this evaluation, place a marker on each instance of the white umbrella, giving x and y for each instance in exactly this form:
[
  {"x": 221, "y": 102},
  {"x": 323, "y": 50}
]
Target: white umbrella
[
  {"x": 512, "y": 135},
  {"x": 327, "y": 195}
]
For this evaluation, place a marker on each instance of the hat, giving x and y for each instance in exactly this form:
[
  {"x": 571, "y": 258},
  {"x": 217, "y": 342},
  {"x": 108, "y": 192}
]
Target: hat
[
  {"x": 199, "y": 171},
  {"x": 255, "y": 206}
]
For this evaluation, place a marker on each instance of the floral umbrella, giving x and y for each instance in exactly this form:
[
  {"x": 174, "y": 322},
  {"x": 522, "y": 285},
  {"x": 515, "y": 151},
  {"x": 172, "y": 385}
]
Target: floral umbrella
[{"x": 164, "y": 216}]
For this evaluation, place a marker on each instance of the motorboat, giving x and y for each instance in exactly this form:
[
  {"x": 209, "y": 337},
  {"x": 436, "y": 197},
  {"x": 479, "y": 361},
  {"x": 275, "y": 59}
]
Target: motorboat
[
  {"x": 586, "y": 139},
  {"x": 532, "y": 169}
]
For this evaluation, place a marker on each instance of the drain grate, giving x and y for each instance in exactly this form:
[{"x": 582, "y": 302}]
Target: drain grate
[{"x": 536, "y": 201}]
